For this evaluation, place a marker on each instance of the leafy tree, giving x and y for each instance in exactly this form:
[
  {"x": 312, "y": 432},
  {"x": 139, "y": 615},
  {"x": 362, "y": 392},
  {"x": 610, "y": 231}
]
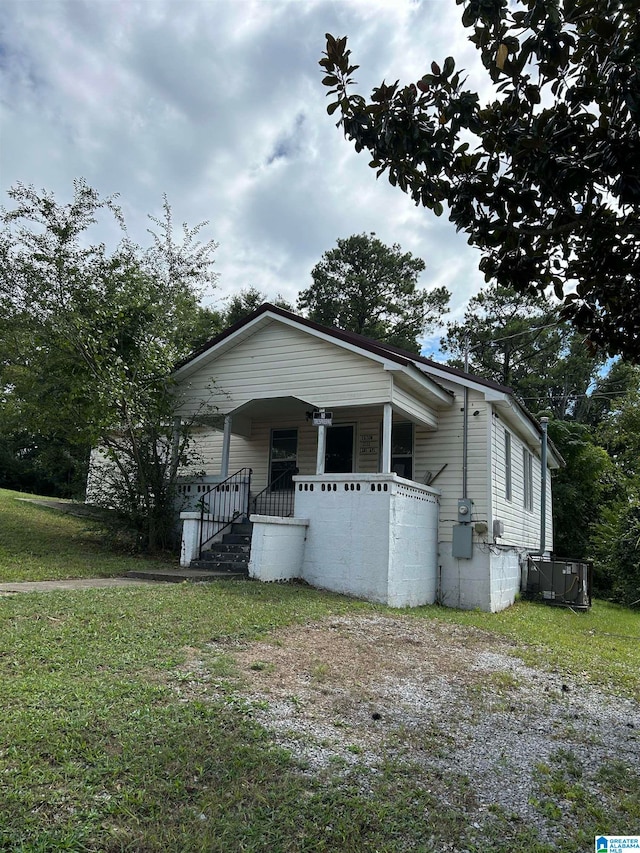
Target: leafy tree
[
  {"x": 581, "y": 490},
  {"x": 615, "y": 539},
  {"x": 367, "y": 287},
  {"x": 545, "y": 178},
  {"x": 619, "y": 432},
  {"x": 93, "y": 338},
  {"x": 519, "y": 341},
  {"x": 246, "y": 301},
  {"x": 620, "y": 380},
  {"x": 616, "y": 549}
]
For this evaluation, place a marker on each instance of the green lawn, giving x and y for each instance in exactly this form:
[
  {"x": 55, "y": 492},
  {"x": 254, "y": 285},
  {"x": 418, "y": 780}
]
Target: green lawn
[
  {"x": 99, "y": 752},
  {"x": 601, "y": 646},
  {"x": 38, "y": 543}
]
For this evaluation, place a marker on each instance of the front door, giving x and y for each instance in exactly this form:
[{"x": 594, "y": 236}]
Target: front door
[{"x": 339, "y": 450}]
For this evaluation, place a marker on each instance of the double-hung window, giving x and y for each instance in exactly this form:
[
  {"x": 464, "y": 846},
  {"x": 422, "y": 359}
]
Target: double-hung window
[
  {"x": 402, "y": 450},
  {"x": 527, "y": 465},
  {"x": 507, "y": 465}
]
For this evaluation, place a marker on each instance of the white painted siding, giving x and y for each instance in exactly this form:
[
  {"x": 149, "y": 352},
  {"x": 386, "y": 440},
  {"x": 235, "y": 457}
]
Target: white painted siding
[
  {"x": 280, "y": 361},
  {"x": 434, "y": 449},
  {"x": 521, "y": 526},
  {"x": 415, "y": 410}
]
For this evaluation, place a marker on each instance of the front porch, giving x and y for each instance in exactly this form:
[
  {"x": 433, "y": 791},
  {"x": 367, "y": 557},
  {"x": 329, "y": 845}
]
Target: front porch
[
  {"x": 341, "y": 505},
  {"x": 374, "y": 536},
  {"x": 276, "y": 439}
]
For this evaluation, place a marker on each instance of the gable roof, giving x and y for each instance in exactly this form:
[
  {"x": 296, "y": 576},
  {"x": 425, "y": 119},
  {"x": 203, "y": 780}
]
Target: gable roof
[
  {"x": 380, "y": 348},
  {"x": 428, "y": 367},
  {"x": 364, "y": 347}
]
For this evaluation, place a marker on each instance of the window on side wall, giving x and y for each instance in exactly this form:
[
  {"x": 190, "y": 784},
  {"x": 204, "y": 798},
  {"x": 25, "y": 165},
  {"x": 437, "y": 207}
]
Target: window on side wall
[
  {"x": 527, "y": 464},
  {"x": 507, "y": 465}
]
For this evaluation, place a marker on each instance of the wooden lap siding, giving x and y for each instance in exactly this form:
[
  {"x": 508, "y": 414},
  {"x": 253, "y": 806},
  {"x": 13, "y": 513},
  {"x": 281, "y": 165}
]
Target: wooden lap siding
[{"x": 433, "y": 449}]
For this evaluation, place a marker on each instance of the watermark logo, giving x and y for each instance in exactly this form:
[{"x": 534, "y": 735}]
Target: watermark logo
[{"x": 616, "y": 843}]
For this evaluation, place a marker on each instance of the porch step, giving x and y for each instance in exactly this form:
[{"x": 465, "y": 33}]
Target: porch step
[
  {"x": 222, "y": 567},
  {"x": 230, "y": 556},
  {"x": 244, "y": 527},
  {"x": 235, "y": 539},
  {"x": 231, "y": 548}
]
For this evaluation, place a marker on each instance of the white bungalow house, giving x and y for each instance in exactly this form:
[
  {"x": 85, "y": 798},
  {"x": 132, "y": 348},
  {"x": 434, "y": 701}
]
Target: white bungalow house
[{"x": 418, "y": 483}]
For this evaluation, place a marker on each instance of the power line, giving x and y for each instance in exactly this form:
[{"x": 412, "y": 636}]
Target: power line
[
  {"x": 516, "y": 335},
  {"x": 605, "y": 395}
]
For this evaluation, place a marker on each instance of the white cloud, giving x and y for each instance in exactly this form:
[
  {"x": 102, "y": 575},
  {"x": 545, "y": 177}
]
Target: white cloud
[{"x": 219, "y": 104}]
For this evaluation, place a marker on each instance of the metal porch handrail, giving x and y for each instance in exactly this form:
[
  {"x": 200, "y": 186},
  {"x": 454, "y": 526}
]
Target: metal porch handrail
[
  {"x": 226, "y": 508},
  {"x": 279, "y": 500}
]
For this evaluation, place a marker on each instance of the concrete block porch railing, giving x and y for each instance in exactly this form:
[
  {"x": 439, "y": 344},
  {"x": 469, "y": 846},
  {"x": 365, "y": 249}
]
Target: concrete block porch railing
[{"x": 374, "y": 536}]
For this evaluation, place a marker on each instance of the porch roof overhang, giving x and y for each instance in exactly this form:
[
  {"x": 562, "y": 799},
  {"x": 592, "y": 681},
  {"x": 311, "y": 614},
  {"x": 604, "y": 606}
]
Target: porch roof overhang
[
  {"x": 263, "y": 408},
  {"x": 417, "y": 396},
  {"x": 294, "y": 409}
]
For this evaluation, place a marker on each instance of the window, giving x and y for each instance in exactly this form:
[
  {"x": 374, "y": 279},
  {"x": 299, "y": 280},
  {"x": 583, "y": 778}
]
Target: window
[
  {"x": 507, "y": 465},
  {"x": 284, "y": 453},
  {"x": 527, "y": 464},
  {"x": 402, "y": 450}
]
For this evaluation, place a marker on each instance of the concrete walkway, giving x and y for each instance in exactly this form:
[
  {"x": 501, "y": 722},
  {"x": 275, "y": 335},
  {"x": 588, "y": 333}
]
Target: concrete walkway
[
  {"x": 73, "y": 583},
  {"x": 69, "y": 507}
]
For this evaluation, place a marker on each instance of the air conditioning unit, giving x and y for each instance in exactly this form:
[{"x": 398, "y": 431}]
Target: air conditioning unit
[{"x": 561, "y": 582}]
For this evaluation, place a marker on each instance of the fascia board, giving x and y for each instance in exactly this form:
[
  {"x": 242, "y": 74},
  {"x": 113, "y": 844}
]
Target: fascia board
[
  {"x": 416, "y": 378},
  {"x": 459, "y": 380},
  {"x": 526, "y": 426}
]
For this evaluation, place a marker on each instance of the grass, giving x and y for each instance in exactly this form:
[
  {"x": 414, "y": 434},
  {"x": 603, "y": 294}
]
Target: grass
[
  {"x": 38, "y": 543},
  {"x": 112, "y": 739},
  {"x": 583, "y": 805},
  {"x": 600, "y": 646}
]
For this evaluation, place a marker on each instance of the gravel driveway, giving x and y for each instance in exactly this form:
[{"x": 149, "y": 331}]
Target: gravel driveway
[{"x": 451, "y": 701}]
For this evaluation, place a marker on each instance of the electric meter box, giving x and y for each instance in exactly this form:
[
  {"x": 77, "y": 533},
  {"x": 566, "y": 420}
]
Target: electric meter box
[{"x": 464, "y": 510}]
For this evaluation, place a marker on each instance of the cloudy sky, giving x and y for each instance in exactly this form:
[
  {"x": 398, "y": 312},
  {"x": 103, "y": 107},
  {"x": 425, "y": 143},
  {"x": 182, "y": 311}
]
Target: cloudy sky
[{"x": 219, "y": 104}]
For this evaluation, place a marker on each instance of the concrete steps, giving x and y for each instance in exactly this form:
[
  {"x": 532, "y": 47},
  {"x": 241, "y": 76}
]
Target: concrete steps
[
  {"x": 231, "y": 555},
  {"x": 225, "y": 560}
]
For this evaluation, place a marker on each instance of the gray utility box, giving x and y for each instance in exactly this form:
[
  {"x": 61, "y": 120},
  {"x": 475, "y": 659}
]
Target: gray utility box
[
  {"x": 462, "y": 543},
  {"x": 561, "y": 582}
]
